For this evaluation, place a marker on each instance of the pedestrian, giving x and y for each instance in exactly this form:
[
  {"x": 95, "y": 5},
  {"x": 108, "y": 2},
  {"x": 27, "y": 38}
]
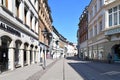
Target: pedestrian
[{"x": 109, "y": 58}]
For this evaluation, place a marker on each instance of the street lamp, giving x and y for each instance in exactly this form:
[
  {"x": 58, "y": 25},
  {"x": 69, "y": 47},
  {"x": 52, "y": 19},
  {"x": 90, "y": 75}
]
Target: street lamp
[{"x": 44, "y": 34}]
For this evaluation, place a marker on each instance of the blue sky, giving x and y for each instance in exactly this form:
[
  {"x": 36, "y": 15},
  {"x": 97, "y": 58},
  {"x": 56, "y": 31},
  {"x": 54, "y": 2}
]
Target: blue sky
[{"x": 65, "y": 15}]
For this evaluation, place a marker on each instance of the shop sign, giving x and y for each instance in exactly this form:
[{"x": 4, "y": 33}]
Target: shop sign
[
  {"x": 9, "y": 29},
  {"x": 112, "y": 31},
  {"x": 32, "y": 40}
]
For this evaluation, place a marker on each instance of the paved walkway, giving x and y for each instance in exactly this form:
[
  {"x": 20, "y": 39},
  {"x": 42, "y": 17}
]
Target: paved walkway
[
  {"x": 61, "y": 71},
  {"x": 23, "y": 73}
]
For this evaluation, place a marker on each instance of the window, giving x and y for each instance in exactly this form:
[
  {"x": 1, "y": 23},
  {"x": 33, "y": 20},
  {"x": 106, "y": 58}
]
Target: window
[
  {"x": 101, "y": 3},
  {"x": 100, "y": 25},
  {"x": 31, "y": 21},
  {"x": 110, "y": 17},
  {"x": 91, "y": 14},
  {"x": 95, "y": 31},
  {"x": 119, "y": 14},
  {"x": 91, "y": 33},
  {"x": 25, "y": 14},
  {"x": 17, "y": 7},
  {"x": 5, "y": 3},
  {"x": 114, "y": 16},
  {"x": 95, "y": 8}
]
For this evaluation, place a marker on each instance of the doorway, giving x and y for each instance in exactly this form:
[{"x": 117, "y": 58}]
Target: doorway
[
  {"x": 5, "y": 41},
  {"x": 116, "y": 52}
]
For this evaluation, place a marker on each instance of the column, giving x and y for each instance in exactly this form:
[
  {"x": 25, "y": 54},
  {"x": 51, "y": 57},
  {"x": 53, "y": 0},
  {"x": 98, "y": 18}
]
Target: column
[
  {"x": 11, "y": 58},
  {"x": 28, "y": 55},
  {"x": 22, "y": 55},
  {"x": 21, "y": 8},
  {"x": 38, "y": 55},
  {"x": 33, "y": 55}
]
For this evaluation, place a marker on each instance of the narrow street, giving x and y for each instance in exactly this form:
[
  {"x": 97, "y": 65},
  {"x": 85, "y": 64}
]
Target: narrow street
[
  {"x": 61, "y": 71},
  {"x": 73, "y": 69}
]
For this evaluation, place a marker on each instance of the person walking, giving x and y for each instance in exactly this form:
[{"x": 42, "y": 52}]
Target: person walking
[{"x": 109, "y": 58}]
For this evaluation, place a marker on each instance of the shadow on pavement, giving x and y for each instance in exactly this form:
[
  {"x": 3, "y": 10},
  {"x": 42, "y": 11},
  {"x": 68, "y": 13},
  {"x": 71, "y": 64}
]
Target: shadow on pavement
[
  {"x": 83, "y": 68},
  {"x": 73, "y": 58}
]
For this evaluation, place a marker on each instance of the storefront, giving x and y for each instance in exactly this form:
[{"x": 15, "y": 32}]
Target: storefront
[{"x": 16, "y": 48}]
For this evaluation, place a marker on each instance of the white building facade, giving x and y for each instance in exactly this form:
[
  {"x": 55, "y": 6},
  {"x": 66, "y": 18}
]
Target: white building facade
[
  {"x": 103, "y": 29},
  {"x": 70, "y": 50},
  {"x": 55, "y": 50},
  {"x": 18, "y": 33}
]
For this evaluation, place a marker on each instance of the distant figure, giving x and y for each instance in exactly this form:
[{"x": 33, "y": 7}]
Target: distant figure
[{"x": 109, "y": 58}]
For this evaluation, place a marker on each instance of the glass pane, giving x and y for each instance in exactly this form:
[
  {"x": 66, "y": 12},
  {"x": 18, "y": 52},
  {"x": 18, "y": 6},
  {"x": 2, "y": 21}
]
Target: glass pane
[
  {"x": 110, "y": 10},
  {"x": 110, "y": 20},
  {"x": 115, "y": 8},
  {"x": 115, "y": 19},
  {"x": 119, "y": 17},
  {"x": 119, "y": 7}
]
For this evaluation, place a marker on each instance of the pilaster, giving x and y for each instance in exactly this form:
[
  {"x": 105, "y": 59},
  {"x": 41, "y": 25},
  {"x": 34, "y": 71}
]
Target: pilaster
[
  {"x": 22, "y": 55},
  {"x": 33, "y": 56},
  {"x": 105, "y": 19},
  {"x": 10, "y": 5},
  {"x": 33, "y": 23},
  {"x": 28, "y": 18},
  {"x": 11, "y": 58},
  {"x": 28, "y": 55},
  {"x": 0, "y": 1}
]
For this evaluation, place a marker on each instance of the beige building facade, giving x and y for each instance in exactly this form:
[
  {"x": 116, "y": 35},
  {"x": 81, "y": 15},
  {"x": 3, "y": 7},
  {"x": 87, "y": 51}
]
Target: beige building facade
[
  {"x": 45, "y": 30},
  {"x": 103, "y": 29}
]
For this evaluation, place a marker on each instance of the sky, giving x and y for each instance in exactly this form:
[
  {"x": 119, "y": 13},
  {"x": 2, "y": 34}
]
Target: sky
[{"x": 65, "y": 15}]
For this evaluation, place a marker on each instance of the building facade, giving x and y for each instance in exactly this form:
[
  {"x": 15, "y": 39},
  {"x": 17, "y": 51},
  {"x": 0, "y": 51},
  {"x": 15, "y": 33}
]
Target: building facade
[
  {"x": 103, "y": 29},
  {"x": 83, "y": 34},
  {"x": 71, "y": 51},
  {"x": 45, "y": 29},
  {"x": 55, "y": 44},
  {"x": 18, "y": 33},
  {"x": 62, "y": 46}
]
